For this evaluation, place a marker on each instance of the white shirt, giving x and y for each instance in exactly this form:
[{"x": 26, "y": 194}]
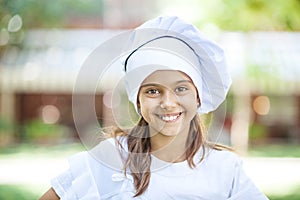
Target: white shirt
[{"x": 97, "y": 174}]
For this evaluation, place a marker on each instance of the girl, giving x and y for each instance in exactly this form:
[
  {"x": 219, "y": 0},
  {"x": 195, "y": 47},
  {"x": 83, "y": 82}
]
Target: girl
[{"x": 173, "y": 74}]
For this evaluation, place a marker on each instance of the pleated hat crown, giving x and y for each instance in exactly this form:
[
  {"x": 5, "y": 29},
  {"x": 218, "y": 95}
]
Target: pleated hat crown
[{"x": 169, "y": 43}]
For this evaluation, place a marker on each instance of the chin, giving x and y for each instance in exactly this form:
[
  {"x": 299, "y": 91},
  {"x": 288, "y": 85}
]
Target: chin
[{"x": 168, "y": 132}]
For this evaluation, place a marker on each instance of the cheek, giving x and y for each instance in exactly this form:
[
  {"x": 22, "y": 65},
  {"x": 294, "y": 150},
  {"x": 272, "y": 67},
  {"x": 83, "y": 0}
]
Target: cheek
[
  {"x": 145, "y": 112},
  {"x": 145, "y": 106},
  {"x": 190, "y": 100},
  {"x": 190, "y": 105}
]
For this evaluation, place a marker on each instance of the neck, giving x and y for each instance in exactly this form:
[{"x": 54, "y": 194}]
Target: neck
[{"x": 169, "y": 148}]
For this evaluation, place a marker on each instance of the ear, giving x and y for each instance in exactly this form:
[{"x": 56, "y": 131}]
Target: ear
[
  {"x": 138, "y": 106},
  {"x": 198, "y": 102}
]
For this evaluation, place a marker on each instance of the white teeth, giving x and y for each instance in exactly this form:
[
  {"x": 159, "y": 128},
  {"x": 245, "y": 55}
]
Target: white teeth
[{"x": 169, "y": 118}]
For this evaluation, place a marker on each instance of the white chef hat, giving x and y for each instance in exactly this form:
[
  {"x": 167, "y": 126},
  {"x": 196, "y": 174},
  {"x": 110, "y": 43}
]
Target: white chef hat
[{"x": 169, "y": 43}]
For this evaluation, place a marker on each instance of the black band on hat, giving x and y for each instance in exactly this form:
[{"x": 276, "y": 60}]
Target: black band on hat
[{"x": 164, "y": 36}]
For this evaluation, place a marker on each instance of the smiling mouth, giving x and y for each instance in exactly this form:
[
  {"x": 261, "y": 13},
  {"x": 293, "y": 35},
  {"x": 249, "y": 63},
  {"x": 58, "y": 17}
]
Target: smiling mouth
[{"x": 170, "y": 117}]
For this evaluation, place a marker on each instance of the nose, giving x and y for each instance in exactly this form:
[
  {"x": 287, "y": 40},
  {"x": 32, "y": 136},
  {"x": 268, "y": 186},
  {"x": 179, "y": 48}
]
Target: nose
[{"x": 169, "y": 100}]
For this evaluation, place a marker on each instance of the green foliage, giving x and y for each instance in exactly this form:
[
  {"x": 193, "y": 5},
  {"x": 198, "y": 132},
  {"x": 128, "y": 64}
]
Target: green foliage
[
  {"x": 28, "y": 191},
  {"x": 38, "y": 132},
  {"x": 229, "y": 103},
  {"x": 275, "y": 150},
  {"x": 7, "y": 129},
  {"x": 294, "y": 195},
  {"x": 48, "y": 14},
  {"x": 254, "y": 71},
  {"x": 26, "y": 150},
  {"x": 29, "y": 14},
  {"x": 5, "y": 125},
  {"x": 285, "y": 197},
  {"x": 12, "y": 192},
  {"x": 247, "y": 15},
  {"x": 257, "y": 133},
  {"x": 235, "y": 15}
]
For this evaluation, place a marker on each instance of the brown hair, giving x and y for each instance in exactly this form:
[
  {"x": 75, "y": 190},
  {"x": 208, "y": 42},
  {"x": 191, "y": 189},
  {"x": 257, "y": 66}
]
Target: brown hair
[{"x": 139, "y": 148}]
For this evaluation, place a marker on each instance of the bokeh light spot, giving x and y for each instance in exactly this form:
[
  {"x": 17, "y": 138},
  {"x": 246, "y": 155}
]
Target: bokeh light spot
[
  {"x": 15, "y": 23},
  {"x": 261, "y": 105},
  {"x": 50, "y": 114}
]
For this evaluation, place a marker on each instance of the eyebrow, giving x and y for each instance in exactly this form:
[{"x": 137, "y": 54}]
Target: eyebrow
[{"x": 157, "y": 84}]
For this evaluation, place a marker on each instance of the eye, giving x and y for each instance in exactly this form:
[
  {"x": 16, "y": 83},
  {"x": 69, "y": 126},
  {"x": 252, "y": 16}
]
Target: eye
[
  {"x": 181, "y": 89},
  {"x": 152, "y": 91}
]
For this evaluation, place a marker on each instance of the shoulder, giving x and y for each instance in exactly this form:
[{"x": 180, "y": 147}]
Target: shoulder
[
  {"x": 225, "y": 156},
  {"x": 227, "y": 167},
  {"x": 89, "y": 169},
  {"x": 107, "y": 152},
  {"x": 223, "y": 161},
  {"x": 110, "y": 153},
  {"x": 67, "y": 186}
]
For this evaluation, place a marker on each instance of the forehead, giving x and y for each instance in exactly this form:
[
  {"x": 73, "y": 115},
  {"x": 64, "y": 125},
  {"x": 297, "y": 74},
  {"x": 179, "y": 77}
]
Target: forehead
[{"x": 166, "y": 77}]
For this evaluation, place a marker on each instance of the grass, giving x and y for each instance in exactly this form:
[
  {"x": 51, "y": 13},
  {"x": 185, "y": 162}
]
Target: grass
[
  {"x": 21, "y": 151},
  {"x": 294, "y": 195},
  {"x": 41, "y": 150},
  {"x": 272, "y": 150},
  {"x": 276, "y": 150},
  {"x": 24, "y": 192},
  {"x": 286, "y": 197},
  {"x": 14, "y": 192}
]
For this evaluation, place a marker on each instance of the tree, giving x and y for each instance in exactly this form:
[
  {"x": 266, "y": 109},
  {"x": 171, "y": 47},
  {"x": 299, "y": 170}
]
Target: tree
[
  {"x": 19, "y": 15},
  {"x": 262, "y": 15}
]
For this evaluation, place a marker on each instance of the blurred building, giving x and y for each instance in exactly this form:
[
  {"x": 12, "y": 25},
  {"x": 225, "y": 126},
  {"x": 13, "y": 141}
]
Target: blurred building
[
  {"x": 266, "y": 89},
  {"x": 37, "y": 81}
]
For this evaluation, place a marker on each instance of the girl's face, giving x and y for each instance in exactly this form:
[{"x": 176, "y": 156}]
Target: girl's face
[{"x": 168, "y": 101}]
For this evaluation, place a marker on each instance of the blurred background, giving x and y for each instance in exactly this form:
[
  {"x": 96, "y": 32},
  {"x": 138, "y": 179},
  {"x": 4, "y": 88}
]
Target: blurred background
[{"x": 43, "y": 44}]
